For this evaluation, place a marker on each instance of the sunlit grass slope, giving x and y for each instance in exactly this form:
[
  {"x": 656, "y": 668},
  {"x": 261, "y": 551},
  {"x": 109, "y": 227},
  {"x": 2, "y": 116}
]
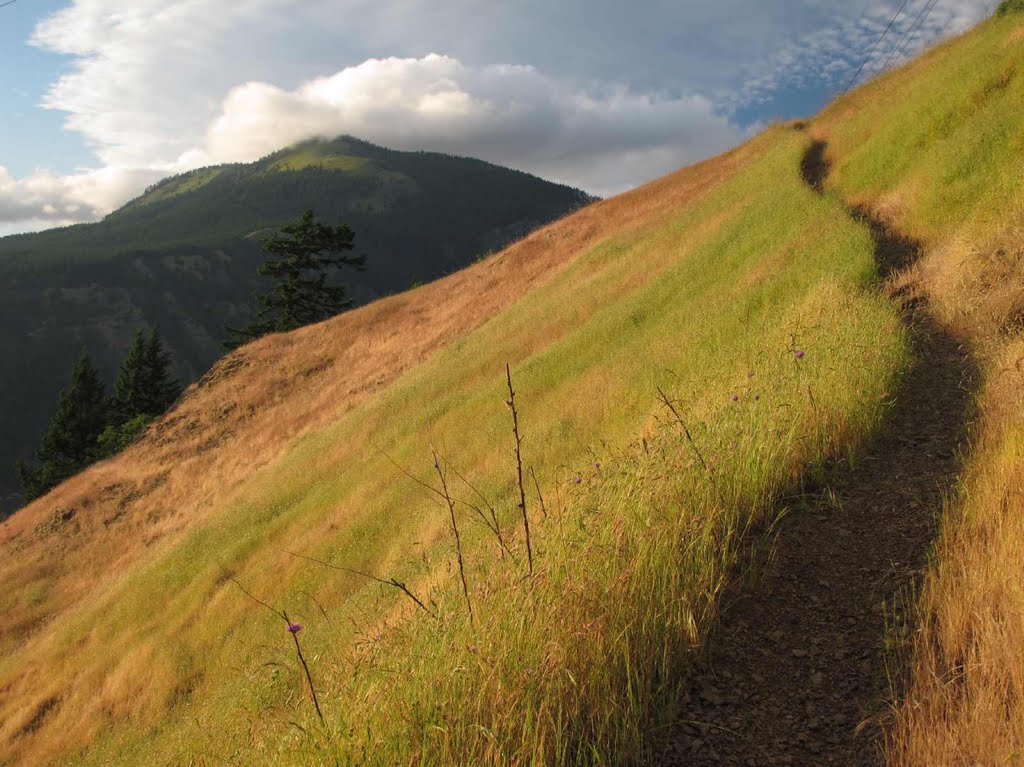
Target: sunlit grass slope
[
  {"x": 140, "y": 648},
  {"x": 939, "y": 148}
]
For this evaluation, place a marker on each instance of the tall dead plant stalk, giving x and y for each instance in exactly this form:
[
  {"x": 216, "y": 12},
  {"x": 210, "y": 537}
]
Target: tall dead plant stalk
[
  {"x": 511, "y": 402},
  {"x": 455, "y": 529}
]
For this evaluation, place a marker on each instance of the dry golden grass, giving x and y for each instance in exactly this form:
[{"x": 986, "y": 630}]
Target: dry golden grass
[
  {"x": 63, "y": 549},
  {"x": 966, "y": 701},
  {"x": 938, "y": 149}
]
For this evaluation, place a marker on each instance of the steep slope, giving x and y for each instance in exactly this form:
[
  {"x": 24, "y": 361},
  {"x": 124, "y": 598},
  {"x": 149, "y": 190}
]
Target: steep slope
[
  {"x": 690, "y": 283},
  {"x": 798, "y": 670},
  {"x": 184, "y": 255},
  {"x": 934, "y": 150},
  {"x": 137, "y": 626},
  {"x": 938, "y": 149}
]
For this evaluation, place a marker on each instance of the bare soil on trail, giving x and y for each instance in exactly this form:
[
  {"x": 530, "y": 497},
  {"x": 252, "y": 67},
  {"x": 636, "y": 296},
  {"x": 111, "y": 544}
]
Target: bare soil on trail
[{"x": 797, "y": 671}]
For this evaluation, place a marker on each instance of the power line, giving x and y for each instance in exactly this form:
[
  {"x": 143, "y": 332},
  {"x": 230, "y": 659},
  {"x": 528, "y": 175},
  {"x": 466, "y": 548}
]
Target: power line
[
  {"x": 875, "y": 47},
  {"x": 918, "y": 24},
  {"x": 9, "y": 2}
]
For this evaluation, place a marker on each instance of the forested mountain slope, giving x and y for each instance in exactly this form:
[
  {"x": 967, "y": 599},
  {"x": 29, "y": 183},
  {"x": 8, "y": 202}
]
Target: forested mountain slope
[{"x": 183, "y": 257}]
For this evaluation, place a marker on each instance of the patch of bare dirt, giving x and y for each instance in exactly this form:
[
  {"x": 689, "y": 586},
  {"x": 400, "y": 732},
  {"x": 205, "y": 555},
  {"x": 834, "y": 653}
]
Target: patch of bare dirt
[{"x": 799, "y": 670}]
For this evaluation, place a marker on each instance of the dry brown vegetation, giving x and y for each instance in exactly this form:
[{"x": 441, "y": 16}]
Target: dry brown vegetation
[
  {"x": 242, "y": 415},
  {"x": 966, "y": 704}
]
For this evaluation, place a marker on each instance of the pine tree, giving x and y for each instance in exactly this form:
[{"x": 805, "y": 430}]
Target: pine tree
[
  {"x": 303, "y": 253},
  {"x": 144, "y": 385},
  {"x": 160, "y": 391},
  {"x": 143, "y": 391},
  {"x": 129, "y": 388},
  {"x": 70, "y": 443}
]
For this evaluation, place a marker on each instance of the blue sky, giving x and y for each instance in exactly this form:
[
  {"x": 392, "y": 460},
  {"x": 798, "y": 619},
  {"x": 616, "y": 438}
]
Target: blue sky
[
  {"x": 103, "y": 97},
  {"x": 31, "y": 137}
]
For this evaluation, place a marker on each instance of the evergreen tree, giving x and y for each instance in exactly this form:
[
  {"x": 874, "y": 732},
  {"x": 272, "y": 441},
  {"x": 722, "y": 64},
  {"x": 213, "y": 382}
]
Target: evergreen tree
[
  {"x": 70, "y": 443},
  {"x": 301, "y": 256},
  {"x": 144, "y": 385},
  {"x": 128, "y": 398},
  {"x": 160, "y": 391},
  {"x": 143, "y": 391}
]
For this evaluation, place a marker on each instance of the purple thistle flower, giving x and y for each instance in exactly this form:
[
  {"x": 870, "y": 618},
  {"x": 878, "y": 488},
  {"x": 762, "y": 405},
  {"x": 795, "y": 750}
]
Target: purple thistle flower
[
  {"x": 578, "y": 480},
  {"x": 799, "y": 355},
  {"x": 597, "y": 466},
  {"x": 735, "y": 397},
  {"x": 294, "y": 628},
  {"x": 757, "y": 397},
  {"x": 750, "y": 374}
]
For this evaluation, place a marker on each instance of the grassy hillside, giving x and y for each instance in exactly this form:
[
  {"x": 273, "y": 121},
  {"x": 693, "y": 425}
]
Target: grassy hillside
[
  {"x": 749, "y": 300},
  {"x": 184, "y": 255},
  {"x": 939, "y": 148},
  {"x": 700, "y": 283}
]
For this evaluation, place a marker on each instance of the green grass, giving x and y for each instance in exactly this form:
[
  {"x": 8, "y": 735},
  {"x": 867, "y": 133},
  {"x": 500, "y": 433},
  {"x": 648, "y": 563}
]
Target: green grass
[
  {"x": 943, "y": 135},
  {"x": 577, "y": 663},
  {"x": 183, "y": 184},
  {"x": 308, "y": 157}
]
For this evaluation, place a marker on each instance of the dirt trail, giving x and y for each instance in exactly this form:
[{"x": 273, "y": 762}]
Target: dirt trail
[{"x": 796, "y": 670}]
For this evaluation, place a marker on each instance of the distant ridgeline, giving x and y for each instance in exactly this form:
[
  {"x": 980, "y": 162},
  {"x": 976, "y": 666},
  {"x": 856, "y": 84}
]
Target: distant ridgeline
[{"x": 183, "y": 257}]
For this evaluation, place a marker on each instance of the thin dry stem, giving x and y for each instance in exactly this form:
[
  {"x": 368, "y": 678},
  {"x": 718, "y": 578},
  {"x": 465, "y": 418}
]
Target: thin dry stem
[
  {"x": 455, "y": 529},
  {"x": 540, "y": 496},
  {"x": 394, "y": 582},
  {"x": 693, "y": 445},
  {"x": 295, "y": 636},
  {"x": 519, "y": 463}
]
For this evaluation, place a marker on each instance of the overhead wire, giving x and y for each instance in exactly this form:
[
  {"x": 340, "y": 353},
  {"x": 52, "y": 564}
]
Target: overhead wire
[
  {"x": 874, "y": 47},
  {"x": 918, "y": 24}
]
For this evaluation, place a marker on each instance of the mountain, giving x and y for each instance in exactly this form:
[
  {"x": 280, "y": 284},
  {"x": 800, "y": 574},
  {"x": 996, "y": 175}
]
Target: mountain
[
  {"x": 183, "y": 256},
  {"x": 748, "y": 490}
]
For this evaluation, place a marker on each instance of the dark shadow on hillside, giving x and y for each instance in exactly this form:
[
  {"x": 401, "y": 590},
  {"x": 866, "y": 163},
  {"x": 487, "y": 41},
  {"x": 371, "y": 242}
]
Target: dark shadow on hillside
[{"x": 796, "y": 670}]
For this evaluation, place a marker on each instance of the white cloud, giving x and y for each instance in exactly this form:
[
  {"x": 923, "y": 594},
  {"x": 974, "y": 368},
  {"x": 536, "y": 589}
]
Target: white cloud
[
  {"x": 606, "y": 139},
  {"x": 611, "y": 97},
  {"x": 512, "y": 115},
  {"x": 45, "y": 199}
]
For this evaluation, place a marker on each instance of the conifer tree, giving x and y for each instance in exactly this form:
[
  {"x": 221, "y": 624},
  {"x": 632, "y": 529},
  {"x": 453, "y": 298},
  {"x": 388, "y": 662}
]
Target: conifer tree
[
  {"x": 144, "y": 385},
  {"x": 70, "y": 443},
  {"x": 128, "y": 397},
  {"x": 143, "y": 390},
  {"x": 159, "y": 390},
  {"x": 302, "y": 254}
]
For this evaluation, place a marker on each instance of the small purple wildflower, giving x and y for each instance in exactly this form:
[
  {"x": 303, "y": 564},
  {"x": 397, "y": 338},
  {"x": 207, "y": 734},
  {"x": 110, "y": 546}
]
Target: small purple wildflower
[
  {"x": 799, "y": 355},
  {"x": 597, "y": 466},
  {"x": 735, "y": 397},
  {"x": 757, "y": 397},
  {"x": 294, "y": 628},
  {"x": 578, "y": 480},
  {"x": 750, "y": 374}
]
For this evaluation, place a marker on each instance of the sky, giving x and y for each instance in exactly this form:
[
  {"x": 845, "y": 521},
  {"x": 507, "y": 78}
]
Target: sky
[{"x": 101, "y": 98}]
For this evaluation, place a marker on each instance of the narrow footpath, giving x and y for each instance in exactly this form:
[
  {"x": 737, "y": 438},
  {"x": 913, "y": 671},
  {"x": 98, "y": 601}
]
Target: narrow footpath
[{"x": 796, "y": 671}]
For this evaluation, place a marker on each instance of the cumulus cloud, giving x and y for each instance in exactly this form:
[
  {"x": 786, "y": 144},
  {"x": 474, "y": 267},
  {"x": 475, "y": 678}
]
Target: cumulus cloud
[
  {"x": 605, "y": 95},
  {"x": 605, "y": 139},
  {"x": 46, "y": 199},
  {"x": 512, "y": 115}
]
